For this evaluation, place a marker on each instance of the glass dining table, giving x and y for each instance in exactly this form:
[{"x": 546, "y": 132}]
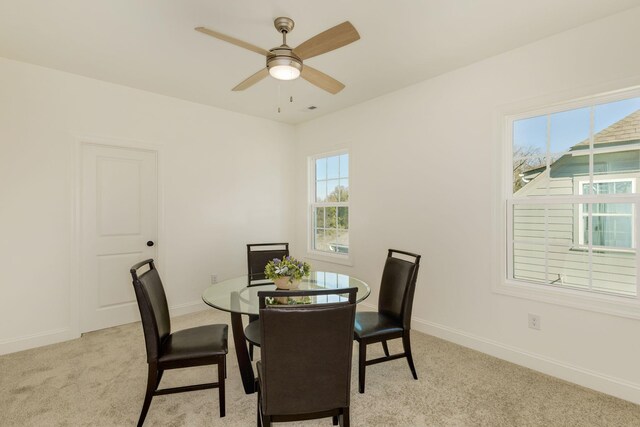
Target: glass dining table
[{"x": 239, "y": 296}]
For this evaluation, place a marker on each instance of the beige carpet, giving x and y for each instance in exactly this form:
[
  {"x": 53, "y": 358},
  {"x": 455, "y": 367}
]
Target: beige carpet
[{"x": 99, "y": 380}]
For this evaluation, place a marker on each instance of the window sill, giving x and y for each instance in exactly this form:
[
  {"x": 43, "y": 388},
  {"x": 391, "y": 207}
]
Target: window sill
[
  {"x": 598, "y": 250},
  {"x": 621, "y": 306},
  {"x": 330, "y": 258}
]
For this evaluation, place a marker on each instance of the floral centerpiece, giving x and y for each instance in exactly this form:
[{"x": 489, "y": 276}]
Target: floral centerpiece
[{"x": 286, "y": 273}]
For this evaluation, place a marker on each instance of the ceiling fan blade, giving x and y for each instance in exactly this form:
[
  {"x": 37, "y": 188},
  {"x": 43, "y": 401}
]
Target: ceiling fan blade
[
  {"x": 321, "y": 80},
  {"x": 252, "y": 80},
  {"x": 232, "y": 40},
  {"x": 331, "y": 39}
]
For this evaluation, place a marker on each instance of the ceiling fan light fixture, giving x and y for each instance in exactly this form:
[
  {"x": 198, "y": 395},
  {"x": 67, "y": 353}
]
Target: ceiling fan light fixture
[{"x": 284, "y": 68}]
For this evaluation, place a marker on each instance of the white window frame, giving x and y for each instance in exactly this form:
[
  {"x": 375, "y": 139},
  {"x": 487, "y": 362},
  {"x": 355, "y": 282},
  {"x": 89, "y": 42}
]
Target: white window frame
[
  {"x": 333, "y": 257},
  {"x": 628, "y": 307},
  {"x": 582, "y": 214}
]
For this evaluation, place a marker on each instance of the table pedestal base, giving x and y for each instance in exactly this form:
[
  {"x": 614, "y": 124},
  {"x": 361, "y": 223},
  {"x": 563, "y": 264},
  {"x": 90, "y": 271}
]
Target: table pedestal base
[{"x": 244, "y": 363}]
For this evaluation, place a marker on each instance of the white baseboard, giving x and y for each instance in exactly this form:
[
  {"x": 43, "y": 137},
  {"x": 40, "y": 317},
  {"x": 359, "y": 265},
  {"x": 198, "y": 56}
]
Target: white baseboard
[
  {"x": 366, "y": 307},
  {"x": 188, "y": 307},
  {"x": 37, "y": 340},
  {"x": 575, "y": 374},
  {"x": 65, "y": 334},
  {"x": 587, "y": 378}
]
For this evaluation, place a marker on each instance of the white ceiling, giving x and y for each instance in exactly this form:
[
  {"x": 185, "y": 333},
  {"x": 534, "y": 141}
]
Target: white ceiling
[{"x": 151, "y": 44}]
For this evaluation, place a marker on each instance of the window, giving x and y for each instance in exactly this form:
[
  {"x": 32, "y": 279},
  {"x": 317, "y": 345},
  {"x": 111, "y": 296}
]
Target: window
[
  {"x": 330, "y": 204},
  {"x": 612, "y": 223},
  {"x": 572, "y": 203}
]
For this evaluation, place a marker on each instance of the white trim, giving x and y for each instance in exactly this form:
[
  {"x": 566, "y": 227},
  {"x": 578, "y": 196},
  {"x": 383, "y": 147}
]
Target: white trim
[
  {"x": 505, "y": 116},
  {"x": 509, "y": 238},
  {"x": 330, "y": 257},
  {"x": 74, "y": 241},
  {"x": 187, "y": 307},
  {"x": 601, "y": 302},
  {"x": 55, "y": 336},
  {"x": 111, "y": 141},
  {"x": 613, "y": 386},
  {"x": 312, "y": 253},
  {"x": 364, "y": 306},
  {"x": 39, "y": 339},
  {"x": 75, "y": 264},
  {"x": 558, "y": 104},
  {"x": 590, "y": 214}
]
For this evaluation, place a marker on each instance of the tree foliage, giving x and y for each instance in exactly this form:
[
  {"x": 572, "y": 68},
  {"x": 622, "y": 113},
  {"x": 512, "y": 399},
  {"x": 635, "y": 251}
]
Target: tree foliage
[
  {"x": 525, "y": 159},
  {"x": 333, "y": 217}
]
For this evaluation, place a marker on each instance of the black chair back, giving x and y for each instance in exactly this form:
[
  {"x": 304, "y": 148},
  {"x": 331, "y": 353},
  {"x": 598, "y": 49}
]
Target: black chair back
[
  {"x": 259, "y": 254},
  {"x": 306, "y": 353},
  {"x": 154, "y": 310},
  {"x": 398, "y": 287}
]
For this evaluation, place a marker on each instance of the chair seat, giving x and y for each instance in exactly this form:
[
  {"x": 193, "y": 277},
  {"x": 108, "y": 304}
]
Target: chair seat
[
  {"x": 371, "y": 324},
  {"x": 252, "y": 333},
  {"x": 195, "y": 343}
]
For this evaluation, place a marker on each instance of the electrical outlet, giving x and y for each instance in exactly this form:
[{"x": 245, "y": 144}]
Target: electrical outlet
[
  {"x": 214, "y": 279},
  {"x": 534, "y": 321}
]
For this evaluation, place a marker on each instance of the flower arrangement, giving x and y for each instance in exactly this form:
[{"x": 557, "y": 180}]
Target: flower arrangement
[
  {"x": 289, "y": 300},
  {"x": 286, "y": 267}
]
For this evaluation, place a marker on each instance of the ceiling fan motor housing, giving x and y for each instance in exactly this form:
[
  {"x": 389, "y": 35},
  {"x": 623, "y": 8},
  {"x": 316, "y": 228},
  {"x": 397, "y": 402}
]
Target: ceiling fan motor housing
[{"x": 281, "y": 58}]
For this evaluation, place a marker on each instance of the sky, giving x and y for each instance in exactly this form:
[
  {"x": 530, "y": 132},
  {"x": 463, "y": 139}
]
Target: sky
[
  {"x": 332, "y": 167},
  {"x": 570, "y": 127},
  {"x": 330, "y": 173}
]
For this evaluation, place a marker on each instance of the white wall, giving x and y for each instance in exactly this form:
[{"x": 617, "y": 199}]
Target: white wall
[
  {"x": 424, "y": 168},
  {"x": 425, "y": 161},
  {"x": 220, "y": 172}
]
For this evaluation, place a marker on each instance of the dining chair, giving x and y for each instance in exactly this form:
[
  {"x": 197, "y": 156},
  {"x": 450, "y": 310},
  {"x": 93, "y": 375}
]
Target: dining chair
[
  {"x": 393, "y": 318},
  {"x": 258, "y": 255},
  {"x": 198, "y": 346},
  {"x": 305, "y": 367}
]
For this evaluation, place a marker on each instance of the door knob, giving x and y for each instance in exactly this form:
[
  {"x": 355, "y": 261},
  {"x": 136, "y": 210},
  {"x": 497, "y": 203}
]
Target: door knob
[{"x": 150, "y": 243}]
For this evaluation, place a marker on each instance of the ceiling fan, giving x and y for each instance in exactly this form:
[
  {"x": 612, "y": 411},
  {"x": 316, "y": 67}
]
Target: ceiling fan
[{"x": 286, "y": 63}]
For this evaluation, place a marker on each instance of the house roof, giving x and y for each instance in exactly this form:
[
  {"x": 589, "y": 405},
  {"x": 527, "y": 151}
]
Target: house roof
[{"x": 626, "y": 129}]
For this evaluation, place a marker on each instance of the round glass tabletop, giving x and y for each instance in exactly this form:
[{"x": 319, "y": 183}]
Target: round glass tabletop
[{"x": 237, "y": 296}]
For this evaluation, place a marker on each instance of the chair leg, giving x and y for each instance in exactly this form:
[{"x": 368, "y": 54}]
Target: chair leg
[
  {"x": 266, "y": 421},
  {"x": 344, "y": 418},
  {"x": 160, "y": 372},
  {"x": 335, "y": 420},
  {"x": 252, "y": 318},
  {"x": 221, "y": 392},
  {"x": 258, "y": 415},
  {"x": 362, "y": 359},
  {"x": 152, "y": 384},
  {"x": 406, "y": 342},
  {"x": 385, "y": 348}
]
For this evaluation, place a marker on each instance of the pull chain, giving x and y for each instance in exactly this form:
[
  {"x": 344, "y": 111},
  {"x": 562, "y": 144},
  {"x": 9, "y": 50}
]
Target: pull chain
[{"x": 278, "y": 98}]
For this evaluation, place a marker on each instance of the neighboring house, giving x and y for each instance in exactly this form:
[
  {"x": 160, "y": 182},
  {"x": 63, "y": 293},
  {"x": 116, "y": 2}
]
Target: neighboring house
[{"x": 616, "y": 162}]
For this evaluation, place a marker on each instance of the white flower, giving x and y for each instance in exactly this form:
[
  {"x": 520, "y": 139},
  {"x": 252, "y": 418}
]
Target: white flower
[{"x": 282, "y": 270}]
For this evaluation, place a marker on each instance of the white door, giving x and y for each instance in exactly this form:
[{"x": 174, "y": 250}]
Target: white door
[{"x": 119, "y": 211}]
